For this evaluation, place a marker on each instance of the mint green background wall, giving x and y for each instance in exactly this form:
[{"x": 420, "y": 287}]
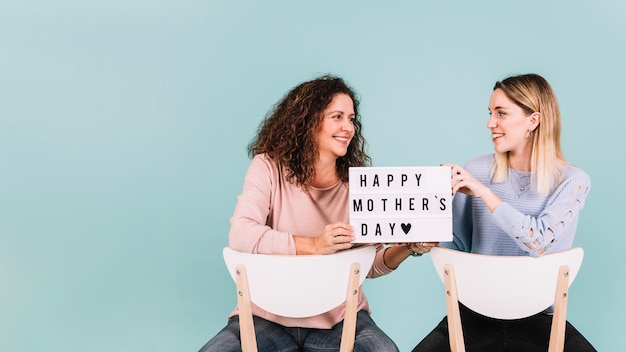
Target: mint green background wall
[{"x": 123, "y": 128}]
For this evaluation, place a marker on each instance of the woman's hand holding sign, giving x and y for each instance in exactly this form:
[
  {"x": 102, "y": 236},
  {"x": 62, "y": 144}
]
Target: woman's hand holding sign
[
  {"x": 421, "y": 247},
  {"x": 335, "y": 237},
  {"x": 464, "y": 182}
]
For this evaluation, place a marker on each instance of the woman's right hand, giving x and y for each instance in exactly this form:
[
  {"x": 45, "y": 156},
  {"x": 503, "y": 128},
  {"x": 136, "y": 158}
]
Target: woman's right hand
[{"x": 464, "y": 182}]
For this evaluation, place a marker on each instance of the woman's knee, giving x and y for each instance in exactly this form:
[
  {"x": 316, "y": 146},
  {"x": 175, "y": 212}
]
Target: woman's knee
[
  {"x": 227, "y": 340},
  {"x": 369, "y": 337}
]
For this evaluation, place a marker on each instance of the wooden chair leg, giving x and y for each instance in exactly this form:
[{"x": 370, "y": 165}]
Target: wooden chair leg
[
  {"x": 246, "y": 324},
  {"x": 352, "y": 301},
  {"x": 557, "y": 332},
  {"x": 455, "y": 330}
]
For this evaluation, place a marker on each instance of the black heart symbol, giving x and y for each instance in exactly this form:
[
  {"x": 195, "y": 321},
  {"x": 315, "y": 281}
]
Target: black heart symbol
[{"x": 406, "y": 228}]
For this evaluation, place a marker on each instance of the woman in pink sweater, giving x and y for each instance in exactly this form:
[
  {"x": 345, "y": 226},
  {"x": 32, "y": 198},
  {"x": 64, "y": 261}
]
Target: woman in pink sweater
[{"x": 294, "y": 201}]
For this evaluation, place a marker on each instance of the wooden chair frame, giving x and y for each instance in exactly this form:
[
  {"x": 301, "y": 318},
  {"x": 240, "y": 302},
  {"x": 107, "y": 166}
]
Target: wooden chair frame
[{"x": 559, "y": 268}]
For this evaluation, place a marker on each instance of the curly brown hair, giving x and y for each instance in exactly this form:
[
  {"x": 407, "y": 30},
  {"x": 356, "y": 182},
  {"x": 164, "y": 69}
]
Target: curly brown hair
[{"x": 287, "y": 134}]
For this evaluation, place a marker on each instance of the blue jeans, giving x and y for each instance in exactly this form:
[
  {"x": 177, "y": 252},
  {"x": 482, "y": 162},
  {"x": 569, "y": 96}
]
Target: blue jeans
[
  {"x": 482, "y": 333},
  {"x": 272, "y": 337}
]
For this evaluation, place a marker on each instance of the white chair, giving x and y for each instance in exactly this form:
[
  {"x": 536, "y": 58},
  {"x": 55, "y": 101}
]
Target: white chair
[
  {"x": 506, "y": 287},
  {"x": 298, "y": 286}
]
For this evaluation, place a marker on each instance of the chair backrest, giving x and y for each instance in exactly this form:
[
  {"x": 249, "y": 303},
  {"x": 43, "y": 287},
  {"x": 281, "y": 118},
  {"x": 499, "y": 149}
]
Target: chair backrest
[
  {"x": 299, "y": 285},
  {"x": 506, "y": 287}
]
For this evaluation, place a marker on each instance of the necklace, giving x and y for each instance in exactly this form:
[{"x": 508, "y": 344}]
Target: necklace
[{"x": 520, "y": 180}]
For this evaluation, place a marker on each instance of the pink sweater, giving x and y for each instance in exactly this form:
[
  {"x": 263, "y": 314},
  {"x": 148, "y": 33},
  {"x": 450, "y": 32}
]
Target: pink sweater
[{"x": 270, "y": 211}]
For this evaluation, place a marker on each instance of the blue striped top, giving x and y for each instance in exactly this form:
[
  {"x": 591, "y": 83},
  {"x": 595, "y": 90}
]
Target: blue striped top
[{"x": 527, "y": 222}]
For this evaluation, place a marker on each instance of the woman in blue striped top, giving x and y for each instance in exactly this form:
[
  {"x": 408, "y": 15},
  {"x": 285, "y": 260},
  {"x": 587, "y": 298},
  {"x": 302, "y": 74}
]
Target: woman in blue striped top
[{"x": 525, "y": 199}]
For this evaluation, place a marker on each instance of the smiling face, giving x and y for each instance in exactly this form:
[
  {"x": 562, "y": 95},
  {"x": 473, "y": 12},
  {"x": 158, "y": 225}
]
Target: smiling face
[
  {"x": 337, "y": 128},
  {"x": 510, "y": 126}
]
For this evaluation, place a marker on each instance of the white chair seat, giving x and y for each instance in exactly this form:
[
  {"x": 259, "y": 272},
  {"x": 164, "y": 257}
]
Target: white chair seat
[
  {"x": 298, "y": 286},
  {"x": 506, "y": 287}
]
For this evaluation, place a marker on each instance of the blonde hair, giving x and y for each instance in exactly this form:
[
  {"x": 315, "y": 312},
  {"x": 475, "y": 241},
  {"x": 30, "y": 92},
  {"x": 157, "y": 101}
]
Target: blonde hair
[{"x": 533, "y": 93}]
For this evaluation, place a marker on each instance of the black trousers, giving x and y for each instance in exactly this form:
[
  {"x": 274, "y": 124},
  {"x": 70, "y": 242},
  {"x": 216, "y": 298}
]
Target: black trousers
[{"x": 485, "y": 334}]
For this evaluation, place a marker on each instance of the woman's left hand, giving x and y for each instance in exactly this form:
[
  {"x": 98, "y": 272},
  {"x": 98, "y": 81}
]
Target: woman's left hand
[{"x": 422, "y": 247}]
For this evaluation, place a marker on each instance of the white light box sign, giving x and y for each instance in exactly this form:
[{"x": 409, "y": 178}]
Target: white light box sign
[{"x": 401, "y": 204}]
